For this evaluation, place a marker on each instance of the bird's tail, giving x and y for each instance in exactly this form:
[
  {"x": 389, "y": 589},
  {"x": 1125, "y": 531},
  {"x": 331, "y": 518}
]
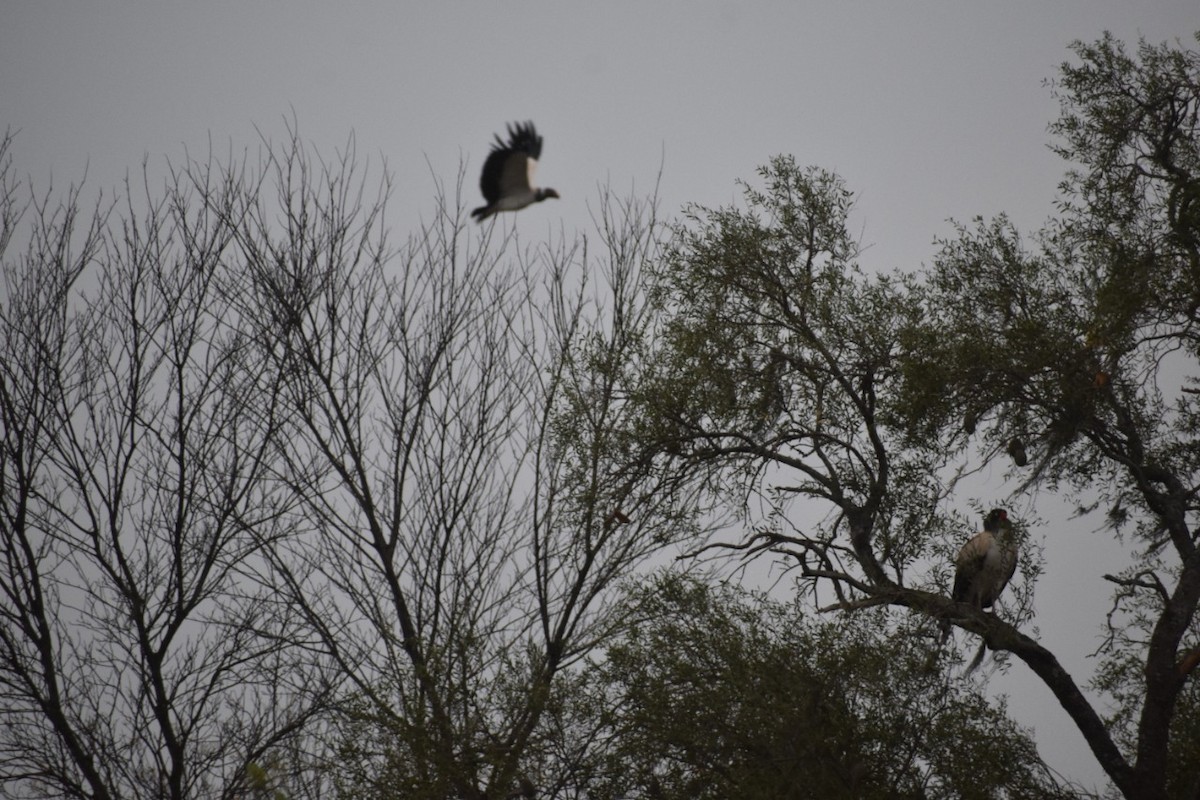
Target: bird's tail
[
  {"x": 946, "y": 627},
  {"x": 978, "y": 659},
  {"x": 931, "y": 662},
  {"x": 481, "y": 213}
]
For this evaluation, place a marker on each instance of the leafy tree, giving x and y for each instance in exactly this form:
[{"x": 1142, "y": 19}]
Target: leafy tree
[
  {"x": 284, "y": 507},
  {"x": 1084, "y": 348},
  {"x": 782, "y": 372},
  {"x": 715, "y": 692}
]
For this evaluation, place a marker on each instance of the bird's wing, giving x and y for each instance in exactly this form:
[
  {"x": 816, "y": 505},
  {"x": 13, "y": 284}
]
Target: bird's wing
[
  {"x": 970, "y": 562},
  {"x": 490, "y": 180},
  {"x": 524, "y": 137},
  {"x": 507, "y": 177},
  {"x": 1011, "y": 557},
  {"x": 508, "y": 170},
  {"x": 516, "y": 177}
]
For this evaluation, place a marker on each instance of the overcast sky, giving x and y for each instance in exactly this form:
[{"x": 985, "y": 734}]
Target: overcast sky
[{"x": 928, "y": 110}]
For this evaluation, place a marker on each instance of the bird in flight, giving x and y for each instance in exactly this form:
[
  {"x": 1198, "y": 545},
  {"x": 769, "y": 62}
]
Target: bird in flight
[{"x": 507, "y": 179}]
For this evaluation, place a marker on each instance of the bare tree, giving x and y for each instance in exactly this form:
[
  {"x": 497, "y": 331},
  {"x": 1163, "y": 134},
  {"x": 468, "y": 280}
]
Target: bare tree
[
  {"x": 256, "y": 459},
  {"x": 136, "y": 656},
  {"x": 464, "y": 509}
]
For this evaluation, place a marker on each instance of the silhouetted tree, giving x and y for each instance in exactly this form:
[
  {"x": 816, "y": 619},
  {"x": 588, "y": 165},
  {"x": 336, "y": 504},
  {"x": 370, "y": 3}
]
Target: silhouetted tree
[
  {"x": 138, "y": 655},
  {"x": 714, "y": 692},
  {"x": 464, "y": 505},
  {"x": 780, "y": 371}
]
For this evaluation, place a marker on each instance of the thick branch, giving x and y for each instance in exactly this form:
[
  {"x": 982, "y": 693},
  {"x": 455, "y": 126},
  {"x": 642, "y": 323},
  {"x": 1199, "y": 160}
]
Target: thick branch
[{"x": 1000, "y": 635}]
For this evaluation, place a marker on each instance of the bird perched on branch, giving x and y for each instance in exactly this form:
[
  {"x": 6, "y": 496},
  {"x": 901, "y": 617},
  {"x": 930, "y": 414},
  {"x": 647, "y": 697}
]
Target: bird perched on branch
[
  {"x": 986, "y": 563},
  {"x": 507, "y": 179},
  {"x": 984, "y": 566}
]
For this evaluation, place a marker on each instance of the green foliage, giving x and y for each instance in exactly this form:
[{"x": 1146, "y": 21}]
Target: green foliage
[
  {"x": 259, "y": 779},
  {"x": 1054, "y": 343},
  {"x": 430, "y": 481},
  {"x": 755, "y": 302},
  {"x": 1130, "y": 232},
  {"x": 775, "y": 354},
  {"x": 780, "y": 371},
  {"x": 1004, "y": 340},
  {"x": 719, "y": 693},
  {"x": 1133, "y": 201}
]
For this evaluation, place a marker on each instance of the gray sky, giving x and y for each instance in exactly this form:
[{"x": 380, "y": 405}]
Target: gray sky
[{"x": 929, "y": 110}]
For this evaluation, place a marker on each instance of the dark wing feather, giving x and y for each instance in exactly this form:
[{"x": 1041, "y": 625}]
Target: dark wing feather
[
  {"x": 506, "y": 170},
  {"x": 969, "y": 563},
  {"x": 514, "y": 178},
  {"x": 1012, "y": 556},
  {"x": 524, "y": 138},
  {"x": 493, "y": 168}
]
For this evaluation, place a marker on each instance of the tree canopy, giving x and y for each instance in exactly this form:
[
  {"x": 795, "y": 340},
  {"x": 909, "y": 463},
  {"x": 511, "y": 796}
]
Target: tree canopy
[
  {"x": 715, "y": 692},
  {"x": 784, "y": 373}
]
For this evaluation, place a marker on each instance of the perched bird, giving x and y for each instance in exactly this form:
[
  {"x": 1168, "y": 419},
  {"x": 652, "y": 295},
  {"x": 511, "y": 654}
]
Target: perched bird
[
  {"x": 984, "y": 566},
  {"x": 507, "y": 179},
  {"x": 986, "y": 563}
]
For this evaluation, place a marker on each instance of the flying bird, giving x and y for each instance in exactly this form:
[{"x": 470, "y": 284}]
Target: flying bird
[{"x": 507, "y": 179}]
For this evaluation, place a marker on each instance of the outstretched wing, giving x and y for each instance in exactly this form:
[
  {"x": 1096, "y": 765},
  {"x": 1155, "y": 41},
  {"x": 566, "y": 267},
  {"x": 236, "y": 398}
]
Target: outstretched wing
[{"x": 508, "y": 170}]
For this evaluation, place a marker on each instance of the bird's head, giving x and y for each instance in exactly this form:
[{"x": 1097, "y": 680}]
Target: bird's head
[
  {"x": 545, "y": 193},
  {"x": 996, "y": 519}
]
